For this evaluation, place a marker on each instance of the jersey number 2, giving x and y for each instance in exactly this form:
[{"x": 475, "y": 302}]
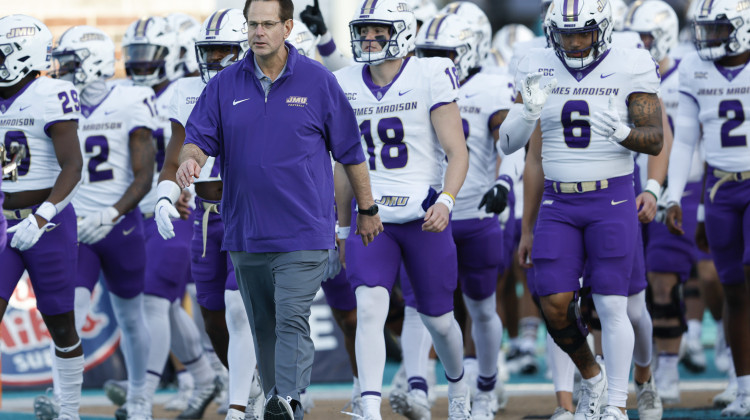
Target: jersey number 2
[
  {"x": 101, "y": 143},
  {"x": 738, "y": 117}
]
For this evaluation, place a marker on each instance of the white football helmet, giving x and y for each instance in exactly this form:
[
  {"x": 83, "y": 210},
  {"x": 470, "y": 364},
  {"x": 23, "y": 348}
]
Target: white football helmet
[
  {"x": 423, "y": 10},
  {"x": 619, "y": 10},
  {"x": 187, "y": 33},
  {"x": 83, "y": 55},
  {"x": 222, "y": 41},
  {"x": 507, "y": 37},
  {"x": 479, "y": 21},
  {"x": 151, "y": 51},
  {"x": 576, "y": 17},
  {"x": 453, "y": 37},
  {"x": 722, "y": 28},
  {"x": 303, "y": 40},
  {"x": 394, "y": 14},
  {"x": 25, "y": 46},
  {"x": 654, "y": 19}
]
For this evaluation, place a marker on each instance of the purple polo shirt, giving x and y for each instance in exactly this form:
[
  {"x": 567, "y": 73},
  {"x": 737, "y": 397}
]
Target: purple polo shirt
[{"x": 274, "y": 152}]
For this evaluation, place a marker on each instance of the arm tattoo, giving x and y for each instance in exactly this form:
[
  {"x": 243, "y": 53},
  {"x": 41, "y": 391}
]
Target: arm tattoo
[
  {"x": 142, "y": 155},
  {"x": 648, "y": 135}
]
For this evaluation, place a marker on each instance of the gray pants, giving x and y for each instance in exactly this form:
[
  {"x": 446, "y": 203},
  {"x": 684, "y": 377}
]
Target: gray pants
[{"x": 278, "y": 289}]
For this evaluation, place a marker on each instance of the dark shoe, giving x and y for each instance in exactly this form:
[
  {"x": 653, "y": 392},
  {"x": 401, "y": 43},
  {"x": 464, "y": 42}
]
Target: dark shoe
[{"x": 278, "y": 408}]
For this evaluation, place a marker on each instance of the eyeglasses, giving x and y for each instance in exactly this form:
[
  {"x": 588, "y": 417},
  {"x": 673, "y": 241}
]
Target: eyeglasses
[{"x": 267, "y": 24}]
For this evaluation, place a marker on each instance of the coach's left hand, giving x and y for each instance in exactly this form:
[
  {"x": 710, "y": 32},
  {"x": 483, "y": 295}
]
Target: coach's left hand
[
  {"x": 368, "y": 227},
  {"x": 187, "y": 172}
]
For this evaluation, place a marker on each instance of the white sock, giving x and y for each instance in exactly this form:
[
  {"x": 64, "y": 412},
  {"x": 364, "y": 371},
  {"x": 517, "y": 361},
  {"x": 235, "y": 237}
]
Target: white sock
[
  {"x": 135, "y": 340},
  {"x": 529, "y": 327},
  {"x": 80, "y": 311},
  {"x": 695, "y": 329},
  {"x": 152, "y": 382},
  {"x": 186, "y": 345},
  {"x": 158, "y": 327},
  {"x": 668, "y": 361},
  {"x": 241, "y": 351},
  {"x": 562, "y": 367},
  {"x": 369, "y": 342},
  {"x": 185, "y": 380},
  {"x": 487, "y": 332},
  {"x": 355, "y": 387},
  {"x": 743, "y": 385},
  {"x": 617, "y": 344},
  {"x": 70, "y": 373},
  {"x": 643, "y": 329},
  {"x": 415, "y": 345},
  {"x": 371, "y": 403},
  {"x": 449, "y": 346}
]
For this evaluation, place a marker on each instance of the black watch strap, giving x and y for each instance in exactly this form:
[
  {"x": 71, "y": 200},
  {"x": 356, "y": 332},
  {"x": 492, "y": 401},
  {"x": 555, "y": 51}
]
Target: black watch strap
[{"x": 372, "y": 211}]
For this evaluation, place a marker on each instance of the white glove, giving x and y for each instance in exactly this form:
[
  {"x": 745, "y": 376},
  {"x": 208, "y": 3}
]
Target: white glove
[
  {"x": 533, "y": 96},
  {"x": 608, "y": 123},
  {"x": 94, "y": 227},
  {"x": 334, "y": 264},
  {"x": 28, "y": 233},
  {"x": 164, "y": 213}
]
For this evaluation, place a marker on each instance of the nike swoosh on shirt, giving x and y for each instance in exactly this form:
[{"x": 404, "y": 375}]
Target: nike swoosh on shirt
[
  {"x": 604, "y": 76},
  {"x": 235, "y": 102},
  {"x": 25, "y": 107},
  {"x": 109, "y": 112},
  {"x": 51, "y": 228},
  {"x": 507, "y": 137},
  {"x": 614, "y": 203},
  {"x": 128, "y": 231},
  {"x": 404, "y": 92}
]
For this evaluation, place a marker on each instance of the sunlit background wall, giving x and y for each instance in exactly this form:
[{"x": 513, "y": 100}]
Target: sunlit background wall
[{"x": 113, "y": 16}]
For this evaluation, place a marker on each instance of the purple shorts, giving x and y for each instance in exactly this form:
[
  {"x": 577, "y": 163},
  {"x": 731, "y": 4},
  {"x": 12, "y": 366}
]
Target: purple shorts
[
  {"x": 167, "y": 261},
  {"x": 430, "y": 261},
  {"x": 339, "y": 293},
  {"x": 728, "y": 228},
  {"x": 406, "y": 291},
  {"x": 211, "y": 268},
  {"x": 479, "y": 245},
  {"x": 638, "y": 279},
  {"x": 124, "y": 272},
  {"x": 597, "y": 228},
  {"x": 52, "y": 263}
]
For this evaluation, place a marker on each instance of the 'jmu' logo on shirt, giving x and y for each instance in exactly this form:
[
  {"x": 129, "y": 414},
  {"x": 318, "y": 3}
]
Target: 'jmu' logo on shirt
[
  {"x": 299, "y": 101},
  {"x": 392, "y": 201},
  {"x": 25, "y": 31}
]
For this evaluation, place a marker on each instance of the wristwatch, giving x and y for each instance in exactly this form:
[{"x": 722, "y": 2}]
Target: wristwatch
[{"x": 372, "y": 211}]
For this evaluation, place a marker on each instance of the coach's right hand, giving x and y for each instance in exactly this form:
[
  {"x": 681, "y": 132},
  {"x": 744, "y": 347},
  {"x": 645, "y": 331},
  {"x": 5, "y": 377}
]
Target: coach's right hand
[{"x": 188, "y": 171}]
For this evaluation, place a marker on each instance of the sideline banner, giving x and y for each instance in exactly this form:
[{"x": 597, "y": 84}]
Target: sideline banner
[{"x": 27, "y": 361}]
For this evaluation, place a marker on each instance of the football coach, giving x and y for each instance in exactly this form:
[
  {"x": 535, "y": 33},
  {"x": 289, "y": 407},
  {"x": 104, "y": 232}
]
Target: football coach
[{"x": 274, "y": 119}]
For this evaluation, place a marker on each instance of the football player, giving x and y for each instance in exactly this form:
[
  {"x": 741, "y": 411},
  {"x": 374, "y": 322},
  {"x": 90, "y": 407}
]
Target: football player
[
  {"x": 589, "y": 126},
  {"x": 713, "y": 85},
  {"x": 39, "y": 131},
  {"x": 398, "y": 101}
]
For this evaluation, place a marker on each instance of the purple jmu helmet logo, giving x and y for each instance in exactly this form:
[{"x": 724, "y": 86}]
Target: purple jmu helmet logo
[{"x": 22, "y": 31}]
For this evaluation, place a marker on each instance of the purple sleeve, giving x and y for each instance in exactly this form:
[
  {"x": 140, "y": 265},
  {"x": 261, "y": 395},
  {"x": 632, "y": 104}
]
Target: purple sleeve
[
  {"x": 202, "y": 127},
  {"x": 327, "y": 49},
  {"x": 340, "y": 126}
]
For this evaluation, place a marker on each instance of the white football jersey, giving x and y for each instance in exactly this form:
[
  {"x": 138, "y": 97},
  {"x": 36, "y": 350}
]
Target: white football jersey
[
  {"x": 722, "y": 96},
  {"x": 186, "y": 93},
  {"x": 520, "y": 50},
  {"x": 104, "y": 134},
  {"x": 400, "y": 144},
  {"x": 626, "y": 39},
  {"x": 479, "y": 98},
  {"x": 25, "y": 119},
  {"x": 571, "y": 152},
  {"x": 162, "y": 134}
]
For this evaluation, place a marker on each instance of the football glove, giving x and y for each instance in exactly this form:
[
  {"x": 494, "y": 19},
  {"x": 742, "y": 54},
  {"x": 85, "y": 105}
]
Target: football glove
[
  {"x": 608, "y": 123},
  {"x": 95, "y": 227},
  {"x": 312, "y": 17},
  {"x": 534, "y": 96}
]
